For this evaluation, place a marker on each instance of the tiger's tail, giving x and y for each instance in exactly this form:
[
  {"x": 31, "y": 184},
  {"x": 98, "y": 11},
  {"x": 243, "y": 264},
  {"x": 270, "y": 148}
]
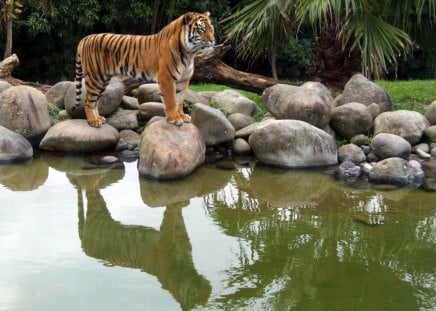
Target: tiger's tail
[{"x": 78, "y": 80}]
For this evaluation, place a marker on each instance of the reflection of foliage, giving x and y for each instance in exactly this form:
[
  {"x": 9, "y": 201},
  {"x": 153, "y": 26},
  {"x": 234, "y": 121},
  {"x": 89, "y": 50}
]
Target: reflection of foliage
[{"x": 304, "y": 254}]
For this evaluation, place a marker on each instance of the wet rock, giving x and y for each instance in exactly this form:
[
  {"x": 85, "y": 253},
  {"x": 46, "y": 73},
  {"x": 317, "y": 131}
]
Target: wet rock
[
  {"x": 293, "y": 143},
  {"x": 360, "y": 89},
  {"x": 78, "y": 137},
  {"x": 170, "y": 152},
  {"x": 124, "y": 119},
  {"x": 213, "y": 124},
  {"x": 351, "y": 119},
  {"x": 386, "y": 145},
  {"x": 231, "y": 102},
  {"x": 430, "y": 113},
  {"x": 240, "y": 120},
  {"x": 396, "y": 171},
  {"x": 13, "y": 146},
  {"x": 408, "y": 124},
  {"x": 347, "y": 170},
  {"x": 56, "y": 94},
  {"x": 241, "y": 147},
  {"x": 24, "y": 110},
  {"x": 296, "y": 103},
  {"x": 149, "y": 110},
  {"x": 129, "y": 140},
  {"x": 351, "y": 153}
]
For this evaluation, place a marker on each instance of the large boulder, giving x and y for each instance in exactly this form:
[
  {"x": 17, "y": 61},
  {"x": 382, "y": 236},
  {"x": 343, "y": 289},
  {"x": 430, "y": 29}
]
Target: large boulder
[
  {"x": 385, "y": 145},
  {"x": 322, "y": 91},
  {"x": 408, "y": 124},
  {"x": 108, "y": 102},
  {"x": 170, "y": 152},
  {"x": 77, "y": 136},
  {"x": 213, "y": 124},
  {"x": 430, "y": 113},
  {"x": 351, "y": 119},
  {"x": 360, "y": 89},
  {"x": 56, "y": 94},
  {"x": 296, "y": 103},
  {"x": 13, "y": 146},
  {"x": 24, "y": 110},
  {"x": 396, "y": 171},
  {"x": 293, "y": 143},
  {"x": 232, "y": 101}
]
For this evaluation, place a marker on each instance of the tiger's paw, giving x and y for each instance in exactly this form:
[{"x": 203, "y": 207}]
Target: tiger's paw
[
  {"x": 97, "y": 122},
  {"x": 177, "y": 121},
  {"x": 186, "y": 118}
]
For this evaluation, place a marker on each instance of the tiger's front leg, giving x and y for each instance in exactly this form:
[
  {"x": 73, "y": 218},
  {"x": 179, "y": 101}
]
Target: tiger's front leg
[
  {"x": 92, "y": 116},
  {"x": 168, "y": 90},
  {"x": 180, "y": 97}
]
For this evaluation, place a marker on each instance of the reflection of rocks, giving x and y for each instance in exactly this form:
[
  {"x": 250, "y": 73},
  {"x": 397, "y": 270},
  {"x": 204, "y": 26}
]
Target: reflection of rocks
[
  {"x": 24, "y": 177},
  {"x": 203, "y": 181},
  {"x": 166, "y": 254}
]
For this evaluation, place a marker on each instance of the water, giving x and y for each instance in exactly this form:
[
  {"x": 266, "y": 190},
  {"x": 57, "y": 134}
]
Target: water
[{"x": 74, "y": 237}]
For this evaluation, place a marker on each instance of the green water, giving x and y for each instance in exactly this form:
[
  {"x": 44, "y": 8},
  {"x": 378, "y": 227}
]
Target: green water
[{"x": 74, "y": 237}]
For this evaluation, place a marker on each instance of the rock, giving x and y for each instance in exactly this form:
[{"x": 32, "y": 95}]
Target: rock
[
  {"x": 246, "y": 131},
  {"x": 296, "y": 103},
  {"x": 77, "y": 136},
  {"x": 170, "y": 152},
  {"x": 241, "y": 147},
  {"x": 213, "y": 124},
  {"x": 149, "y": 110},
  {"x": 292, "y": 143},
  {"x": 129, "y": 140},
  {"x": 24, "y": 110},
  {"x": 347, "y": 170},
  {"x": 359, "y": 139},
  {"x": 430, "y": 113},
  {"x": 193, "y": 97},
  {"x": 56, "y": 94},
  {"x": 429, "y": 168},
  {"x": 366, "y": 167},
  {"x": 108, "y": 102},
  {"x": 322, "y": 91},
  {"x": 430, "y": 184},
  {"x": 408, "y": 124},
  {"x": 374, "y": 110},
  {"x": 386, "y": 145},
  {"x": 423, "y": 147},
  {"x": 422, "y": 154},
  {"x": 13, "y": 146},
  {"x": 433, "y": 152},
  {"x": 240, "y": 120},
  {"x": 232, "y": 101},
  {"x": 351, "y": 153},
  {"x": 351, "y": 119},
  {"x": 129, "y": 103},
  {"x": 430, "y": 133},
  {"x": 396, "y": 171},
  {"x": 124, "y": 119},
  {"x": 207, "y": 94},
  {"x": 360, "y": 89},
  {"x": 4, "y": 86},
  {"x": 149, "y": 92}
]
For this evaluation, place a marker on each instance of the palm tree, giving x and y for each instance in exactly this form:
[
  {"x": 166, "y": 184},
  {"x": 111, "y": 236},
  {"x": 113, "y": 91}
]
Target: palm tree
[
  {"x": 366, "y": 35},
  {"x": 9, "y": 10}
]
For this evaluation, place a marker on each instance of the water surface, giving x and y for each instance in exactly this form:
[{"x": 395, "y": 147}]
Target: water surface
[{"x": 76, "y": 237}]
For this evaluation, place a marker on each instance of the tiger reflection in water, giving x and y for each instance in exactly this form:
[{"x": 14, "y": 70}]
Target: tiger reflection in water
[{"x": 166, "y": 254}]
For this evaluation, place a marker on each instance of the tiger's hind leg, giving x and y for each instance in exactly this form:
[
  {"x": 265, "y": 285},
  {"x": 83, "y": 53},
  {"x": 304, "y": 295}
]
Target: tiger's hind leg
[
  {"x": 168, "y": 90},
  {"x": 91, "y": 111}
]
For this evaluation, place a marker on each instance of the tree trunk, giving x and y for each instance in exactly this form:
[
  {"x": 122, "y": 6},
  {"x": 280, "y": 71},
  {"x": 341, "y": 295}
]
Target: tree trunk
[
  {"x": 209, "y": 68},
  {"x": 8, "y": 46}
]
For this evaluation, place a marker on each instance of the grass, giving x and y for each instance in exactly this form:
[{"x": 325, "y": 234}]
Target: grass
[{"x": 413, "y": 95}]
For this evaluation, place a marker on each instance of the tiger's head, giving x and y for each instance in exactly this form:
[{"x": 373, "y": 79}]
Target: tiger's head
[{"x": 199, "y": 32}]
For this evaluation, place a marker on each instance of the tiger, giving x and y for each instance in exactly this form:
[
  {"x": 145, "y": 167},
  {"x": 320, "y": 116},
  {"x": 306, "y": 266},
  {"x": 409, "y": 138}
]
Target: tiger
[{"x": 166, "y": 57}]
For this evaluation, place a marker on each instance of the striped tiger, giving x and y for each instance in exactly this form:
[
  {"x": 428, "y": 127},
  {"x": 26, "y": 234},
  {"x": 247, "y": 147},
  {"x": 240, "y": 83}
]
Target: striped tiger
[{"x": 166, "y": 57}]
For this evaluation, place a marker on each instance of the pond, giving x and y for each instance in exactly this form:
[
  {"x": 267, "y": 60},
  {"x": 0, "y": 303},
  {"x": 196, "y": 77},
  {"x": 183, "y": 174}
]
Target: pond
[{"x": 78, "y": 237}]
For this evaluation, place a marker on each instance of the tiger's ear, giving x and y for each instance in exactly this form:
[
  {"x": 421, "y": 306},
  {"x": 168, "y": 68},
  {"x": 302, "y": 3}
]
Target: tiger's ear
[{"x": 187, "y": 18}]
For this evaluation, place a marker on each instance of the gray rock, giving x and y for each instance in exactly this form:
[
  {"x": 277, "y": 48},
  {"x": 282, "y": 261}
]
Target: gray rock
[
  {"x": 396, "y": 171},
  {"x": 423, "y": 147},
  {"x": 170, "y": 152},
  {"x": 149, "y": 110},
  {"x": 360, "y": 89},
  {"x": 56, "y": 93},
  {"x": 430, "y": 133},
  {"x": 293, "y": 143},
  {"x": 193, "y": 97},
  {"x": 386, "y": 145},
  {"x": 374, "y": 110},
  {"x": 351, "y": 119},
  {"x": 322, "y": 91},
  {"x": 240, "y": 120},
  {"x": 296, "y": 103},
  {"x": 351, "y": 153},
  {"x": 129, "y": 140},
  {"x": 347, "y": 170},
  {"x": 124, "y": 119},
  {"x": 108, "y": 102},
  {"x": 231, "y": 102},
  {"x": 246, "y": 131},
  {"x": 13, "y": 146},
  {"x": 149, "y": 92},
  {"x": 207, "y": 94},
  {"x": 213, "y": 124},
  {"x": 4, "y": 86},
  {"x": 129, "y": 103},
  {"x": 433, "y": 152},
  {"x": 430, "y": 113},
  {"x": 422, "y": 154},
  {"x": 77, "y": 136},
  {"x": 241, "y": 147},
  {"x": 359, "y": 140},
  {"x": 429, "y": 167},
  {"x": 24, "y": 110},
  {"x": 408, "y": 124}
]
